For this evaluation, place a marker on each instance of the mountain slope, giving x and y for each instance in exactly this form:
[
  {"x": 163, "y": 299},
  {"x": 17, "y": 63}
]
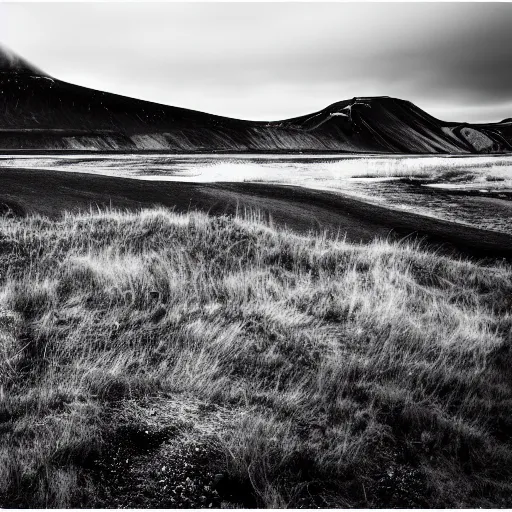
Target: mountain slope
[{"x": 42, "y": 113}]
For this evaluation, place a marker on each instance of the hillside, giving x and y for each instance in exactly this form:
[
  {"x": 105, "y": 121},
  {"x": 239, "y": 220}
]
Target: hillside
[
  {"x": 162, "y": 360},
  {"x": 40, "y": 112}
]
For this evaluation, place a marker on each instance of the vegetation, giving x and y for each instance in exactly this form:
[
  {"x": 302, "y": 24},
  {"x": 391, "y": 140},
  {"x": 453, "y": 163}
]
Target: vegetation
[
  {"x": 305, "y": 370},
  {"x": 469, "y": 171}
]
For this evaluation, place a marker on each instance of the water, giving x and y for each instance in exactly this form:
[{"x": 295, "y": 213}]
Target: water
[{"x": 475, "y": 190}]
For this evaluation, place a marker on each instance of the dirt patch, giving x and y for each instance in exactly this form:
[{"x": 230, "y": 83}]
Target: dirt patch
[{"x": 164, "y": 454}]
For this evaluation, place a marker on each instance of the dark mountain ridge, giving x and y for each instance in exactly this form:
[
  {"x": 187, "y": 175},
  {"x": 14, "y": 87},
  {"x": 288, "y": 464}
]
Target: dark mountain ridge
[{"x": 38, "y": 112}]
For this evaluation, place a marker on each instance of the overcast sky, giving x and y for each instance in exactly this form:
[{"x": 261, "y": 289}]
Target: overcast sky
[{"x": 267, "y": 61}]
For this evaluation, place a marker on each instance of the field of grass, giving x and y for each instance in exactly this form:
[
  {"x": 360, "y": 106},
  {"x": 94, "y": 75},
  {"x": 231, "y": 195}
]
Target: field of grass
[
  {"x": 327, "y": 171},
  {"x": 439, "y": 169},
  {"x": 298, "y": 370}
]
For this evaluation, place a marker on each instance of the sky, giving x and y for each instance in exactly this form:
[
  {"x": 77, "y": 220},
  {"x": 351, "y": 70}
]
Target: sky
[{"x": 269, "y": 61}]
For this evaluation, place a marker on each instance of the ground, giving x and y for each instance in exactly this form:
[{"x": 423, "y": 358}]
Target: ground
[
  {"x": 153, "y": 359},
  {"x": 52, "y": 193}
]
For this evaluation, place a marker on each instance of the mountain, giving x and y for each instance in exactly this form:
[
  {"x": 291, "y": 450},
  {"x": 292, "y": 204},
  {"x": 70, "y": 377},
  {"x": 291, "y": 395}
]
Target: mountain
[
  {"x": 12, "y": 63},
  {"x": 39, "y": 112}
]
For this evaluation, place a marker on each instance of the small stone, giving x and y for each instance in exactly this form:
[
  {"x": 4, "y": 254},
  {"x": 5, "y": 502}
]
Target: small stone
[{"x": 217, "y": 479}]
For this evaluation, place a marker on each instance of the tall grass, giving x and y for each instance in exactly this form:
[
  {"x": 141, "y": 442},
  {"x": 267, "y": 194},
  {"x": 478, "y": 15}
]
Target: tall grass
[{"x": 349, "y": 375}]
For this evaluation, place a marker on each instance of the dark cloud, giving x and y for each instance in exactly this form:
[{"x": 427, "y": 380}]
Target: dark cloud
[{"x": 274, "y": 60}]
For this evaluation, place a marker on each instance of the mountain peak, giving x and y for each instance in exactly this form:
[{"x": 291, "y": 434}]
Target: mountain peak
[{"x": 12, "y": 63}]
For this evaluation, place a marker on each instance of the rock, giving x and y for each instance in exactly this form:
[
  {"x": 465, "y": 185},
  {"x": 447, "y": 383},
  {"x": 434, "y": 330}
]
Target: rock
[{"x": 218, "y": 478}]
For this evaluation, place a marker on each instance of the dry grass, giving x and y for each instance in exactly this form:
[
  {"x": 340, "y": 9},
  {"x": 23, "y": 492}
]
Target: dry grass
[
  {"x": 438, "y": 169},
  {"x": 372, "y": 375}
]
